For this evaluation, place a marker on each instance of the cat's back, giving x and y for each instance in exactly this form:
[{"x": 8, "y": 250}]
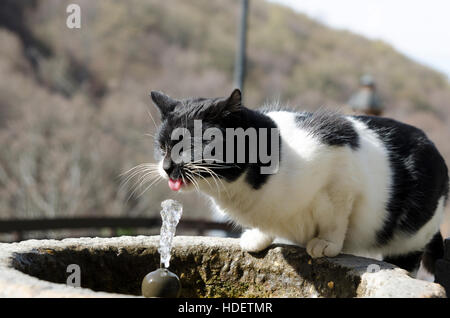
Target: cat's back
[
  {"x": 308, "y": 132},
  {"x": 397, "y": 135}
]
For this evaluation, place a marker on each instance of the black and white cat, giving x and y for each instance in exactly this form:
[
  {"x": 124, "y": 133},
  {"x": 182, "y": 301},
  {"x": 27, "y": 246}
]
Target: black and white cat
[{"x": 354, "y": 184}]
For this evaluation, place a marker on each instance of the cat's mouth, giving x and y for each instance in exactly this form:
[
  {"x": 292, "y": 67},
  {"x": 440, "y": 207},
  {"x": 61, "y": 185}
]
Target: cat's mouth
[{"x": 176, "y": 184}]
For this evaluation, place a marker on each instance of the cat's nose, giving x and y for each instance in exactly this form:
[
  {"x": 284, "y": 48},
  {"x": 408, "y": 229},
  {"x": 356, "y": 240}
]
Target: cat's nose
[{"x": 168, "y": 165}]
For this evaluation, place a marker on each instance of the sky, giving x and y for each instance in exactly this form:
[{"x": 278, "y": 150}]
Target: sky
[{"x": 419, "y": 29}]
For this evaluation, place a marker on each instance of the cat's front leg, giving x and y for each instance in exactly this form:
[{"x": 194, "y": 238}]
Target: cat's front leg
[
  {"x": 332, "y": 217},
  {"x": 330, "y": 240},
  {"x": 254, "y": 240}
]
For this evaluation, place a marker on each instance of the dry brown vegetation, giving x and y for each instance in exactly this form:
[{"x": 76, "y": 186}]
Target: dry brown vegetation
[{"x": 74, "y": 117}]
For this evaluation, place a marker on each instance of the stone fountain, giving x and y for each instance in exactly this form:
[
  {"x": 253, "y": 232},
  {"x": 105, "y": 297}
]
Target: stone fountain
[{"x": 206, "y": 266}]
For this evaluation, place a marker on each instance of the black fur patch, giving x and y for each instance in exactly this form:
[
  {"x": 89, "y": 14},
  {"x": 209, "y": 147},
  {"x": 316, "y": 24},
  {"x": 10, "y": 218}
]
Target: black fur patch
[
  {"x": 258, "y": 120},
  {"x": 331, "y": 128},
  {"x": 420, "y": 176},
  {"x": 409, "y": 262}
]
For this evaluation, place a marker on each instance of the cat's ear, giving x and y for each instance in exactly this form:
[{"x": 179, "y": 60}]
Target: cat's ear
[
  {"x": 233, "y": 103},
  {"x": 235, "y": 99},
  {"x": 164, "y": 103}
]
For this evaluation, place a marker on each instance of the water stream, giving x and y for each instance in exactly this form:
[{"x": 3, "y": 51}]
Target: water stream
[
  {"x": 162, "y": 282},
  {"x": 170, "y": 214}
]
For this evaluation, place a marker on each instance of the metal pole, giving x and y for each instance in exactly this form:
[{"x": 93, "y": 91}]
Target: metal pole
[{"x": 239, "y": 67}]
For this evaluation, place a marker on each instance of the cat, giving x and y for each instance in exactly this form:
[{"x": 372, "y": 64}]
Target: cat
[{"x": 345, "y": 183}]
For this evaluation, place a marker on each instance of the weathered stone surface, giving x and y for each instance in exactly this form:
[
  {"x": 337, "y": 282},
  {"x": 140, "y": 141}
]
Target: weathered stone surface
[{"x": 207, "y": 267}]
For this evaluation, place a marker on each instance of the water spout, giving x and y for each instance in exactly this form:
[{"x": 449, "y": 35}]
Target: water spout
[{"x": 162, "y": 282}]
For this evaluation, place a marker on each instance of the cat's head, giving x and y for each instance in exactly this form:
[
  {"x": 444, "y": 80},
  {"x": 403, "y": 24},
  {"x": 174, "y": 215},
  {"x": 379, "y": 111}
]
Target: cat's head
[{"x": 190, "y": 146}]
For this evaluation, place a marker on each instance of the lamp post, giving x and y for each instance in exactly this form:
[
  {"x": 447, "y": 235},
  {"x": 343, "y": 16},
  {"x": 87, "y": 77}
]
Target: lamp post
[{"x": 239, "y": 67}]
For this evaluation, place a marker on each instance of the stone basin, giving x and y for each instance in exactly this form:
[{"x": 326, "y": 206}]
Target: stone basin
[{"x": 207, "y": 267}]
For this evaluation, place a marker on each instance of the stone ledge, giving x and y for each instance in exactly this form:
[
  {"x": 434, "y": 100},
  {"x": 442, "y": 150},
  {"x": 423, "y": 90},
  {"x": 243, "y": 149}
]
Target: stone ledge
[{"x": 208, "y": 267}]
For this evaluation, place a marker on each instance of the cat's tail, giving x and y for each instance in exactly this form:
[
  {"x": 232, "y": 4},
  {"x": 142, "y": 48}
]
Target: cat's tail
[{"x": 434, "y": 250}]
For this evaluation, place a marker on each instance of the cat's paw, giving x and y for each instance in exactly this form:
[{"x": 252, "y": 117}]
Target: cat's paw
[
  {"x": 320, "y": 248},
  {"x": 254, "y": 240}
]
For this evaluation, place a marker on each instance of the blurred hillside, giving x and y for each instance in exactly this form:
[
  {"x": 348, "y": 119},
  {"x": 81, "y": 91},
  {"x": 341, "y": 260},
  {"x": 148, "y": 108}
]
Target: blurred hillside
[{"x": 74, "y": 102}]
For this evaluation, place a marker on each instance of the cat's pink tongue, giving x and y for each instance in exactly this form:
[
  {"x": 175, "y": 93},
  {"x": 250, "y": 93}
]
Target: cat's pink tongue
[{"x": 175, "y": 185}]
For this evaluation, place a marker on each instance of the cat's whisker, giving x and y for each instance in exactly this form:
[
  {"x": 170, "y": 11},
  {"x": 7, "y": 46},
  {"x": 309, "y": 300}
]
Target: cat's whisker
[
  {"x": 150, "y": 135},
  {"x": 209, "y": 184},
  {"x": 214, "y": 176},
  {"x": 194, "y": 168},
  {"x": 151, "y": 117},
  {"x": 139, "y": 166},
  {"x": 206, "y": 169},
  {"x": 193, "y": 181},
  {"x": 216, "y": 166},
  {"x": 145, "y": 172},
  {"x": 182, "y": 178},
  {"x": 214, "y": 163},
  {"x": 133, "y": 174},
  {"x": 137, "y": 186},
  {"x": 154, "y": 182},
  {"x": 138, "y": 171},
  {"x": 198, "y": 174},
  {"x": 148, "y": 175}
]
